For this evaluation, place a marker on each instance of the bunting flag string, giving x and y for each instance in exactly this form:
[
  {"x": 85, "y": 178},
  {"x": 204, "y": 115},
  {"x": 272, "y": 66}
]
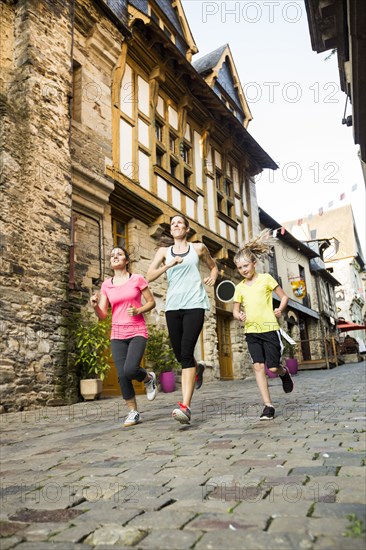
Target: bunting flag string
[
  {"x": 320, "y": 212},
  {"x": 321, "y": 209}
]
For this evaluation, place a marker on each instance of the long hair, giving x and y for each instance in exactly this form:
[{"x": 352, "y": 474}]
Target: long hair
[{"x": 256, "y": 248}]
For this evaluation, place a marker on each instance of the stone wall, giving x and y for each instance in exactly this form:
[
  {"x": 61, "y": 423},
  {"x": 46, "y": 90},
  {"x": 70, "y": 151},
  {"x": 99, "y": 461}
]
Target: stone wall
[
  {"x": 58, "y": 59},
  {"x": 36, "y": 85}
]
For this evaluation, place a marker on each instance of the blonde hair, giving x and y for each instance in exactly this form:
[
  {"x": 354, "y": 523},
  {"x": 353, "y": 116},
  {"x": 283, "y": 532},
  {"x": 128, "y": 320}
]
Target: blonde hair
[{"x": 256, "y": 248}]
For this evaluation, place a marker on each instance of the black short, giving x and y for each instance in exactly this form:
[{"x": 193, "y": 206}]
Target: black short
[{"x": 265, "y": 347}]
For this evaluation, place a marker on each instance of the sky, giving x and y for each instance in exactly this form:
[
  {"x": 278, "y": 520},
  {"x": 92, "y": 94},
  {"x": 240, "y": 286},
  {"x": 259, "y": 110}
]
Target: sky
[{"x": 296, "y": 102}]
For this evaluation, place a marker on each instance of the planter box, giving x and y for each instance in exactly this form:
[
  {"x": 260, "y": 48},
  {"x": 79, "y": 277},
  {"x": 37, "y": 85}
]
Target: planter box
[
  {"x": 167, "y": 381},
  {"x": 91, "y": 388},
  {"x": 292, "y": 365}
]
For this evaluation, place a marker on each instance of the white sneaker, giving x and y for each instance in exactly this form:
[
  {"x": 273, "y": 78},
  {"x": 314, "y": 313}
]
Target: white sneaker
[
  {"x": 132, "y": 418},
  {"x": 150, "y": 387}
]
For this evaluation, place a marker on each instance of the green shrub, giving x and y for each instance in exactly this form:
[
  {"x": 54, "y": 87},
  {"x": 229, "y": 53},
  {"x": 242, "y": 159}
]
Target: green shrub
[
  {"x": 92, "y": 346},
  {"x": 159, "y": 352}
]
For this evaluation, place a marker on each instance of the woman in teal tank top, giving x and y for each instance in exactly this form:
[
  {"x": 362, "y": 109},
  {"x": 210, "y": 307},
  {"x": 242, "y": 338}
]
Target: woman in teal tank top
[{"x": 186, "y": 303}]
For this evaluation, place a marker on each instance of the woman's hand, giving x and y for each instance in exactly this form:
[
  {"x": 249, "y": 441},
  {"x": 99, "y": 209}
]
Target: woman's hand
[
  {"x": 176, "y": 260},
  {"x": 209, "y": 281},
  {"x": 131, "y": 311},
  {"x": 94, "y": 300}
]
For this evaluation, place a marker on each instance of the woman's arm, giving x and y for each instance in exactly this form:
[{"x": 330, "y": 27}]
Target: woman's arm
[
  {"x": 284, "y": 299},
  {"x": 148, "y": 306},
  {"x": 156, "y": 269},
  {"x": 204, "y": 253},
  {"x": 100, "y": 305}
]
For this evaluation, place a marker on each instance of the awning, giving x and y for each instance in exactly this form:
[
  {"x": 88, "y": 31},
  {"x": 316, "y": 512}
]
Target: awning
[
  {"x": 291, "y": 304},
  {"x": 345, "y": 326}
]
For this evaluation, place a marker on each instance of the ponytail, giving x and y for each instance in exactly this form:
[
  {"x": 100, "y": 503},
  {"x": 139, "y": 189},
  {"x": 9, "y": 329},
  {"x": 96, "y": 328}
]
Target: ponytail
[{"x": 256, "y": 248}]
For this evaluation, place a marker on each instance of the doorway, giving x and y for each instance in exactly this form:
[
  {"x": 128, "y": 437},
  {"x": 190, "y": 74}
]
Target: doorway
[
  {"x": 224, "y": 347},
  {"x": 304, "y": 337}
]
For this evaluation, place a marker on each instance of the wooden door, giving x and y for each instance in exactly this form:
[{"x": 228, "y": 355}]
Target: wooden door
[
  {"x": 224, "y": 347},
  {"x": 304, "y": 337},
  {"x": 111, "y": 386}
]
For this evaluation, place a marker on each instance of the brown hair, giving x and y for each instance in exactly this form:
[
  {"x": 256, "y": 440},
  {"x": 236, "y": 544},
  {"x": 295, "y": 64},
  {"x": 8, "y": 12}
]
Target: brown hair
[
  {"x": 256, "y": 248},
  {"x": 186, "y": 222}
]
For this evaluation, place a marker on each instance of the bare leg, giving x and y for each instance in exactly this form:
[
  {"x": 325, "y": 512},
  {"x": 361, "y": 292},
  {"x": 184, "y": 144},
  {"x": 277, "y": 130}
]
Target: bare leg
[
  {"x": 260, "y": 376},
  {"x": 280, "y": 370},
  {"x": 132, "y": 404},
  {"x": 188, "y": 383}
]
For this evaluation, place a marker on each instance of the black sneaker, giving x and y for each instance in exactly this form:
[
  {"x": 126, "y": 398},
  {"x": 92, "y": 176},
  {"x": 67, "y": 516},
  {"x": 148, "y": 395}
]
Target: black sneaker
[
  {"x": 199, "y": 374},
  {"x": 287, "y": 382},
  {"x": 267, "y": 414}
]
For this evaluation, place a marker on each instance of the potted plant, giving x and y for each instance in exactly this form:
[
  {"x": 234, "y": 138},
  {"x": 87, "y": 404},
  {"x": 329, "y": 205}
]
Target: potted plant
[
  {"x": 92, "y": 353},
  {"x": 160, "y": 356}
]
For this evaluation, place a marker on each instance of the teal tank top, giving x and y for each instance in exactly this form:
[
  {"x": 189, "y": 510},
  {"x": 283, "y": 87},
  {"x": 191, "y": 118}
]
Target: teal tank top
[{"x": 185, "y": 287}]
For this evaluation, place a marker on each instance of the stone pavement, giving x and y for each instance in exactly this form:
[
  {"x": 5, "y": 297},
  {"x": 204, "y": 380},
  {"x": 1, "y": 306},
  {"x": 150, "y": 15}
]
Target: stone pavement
[{"x": 74, "y": 477}]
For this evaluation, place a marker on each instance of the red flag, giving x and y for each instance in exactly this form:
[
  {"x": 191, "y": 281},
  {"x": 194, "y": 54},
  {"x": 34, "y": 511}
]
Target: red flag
[
  {"x": 342, "y": 197},
  {"x": 283, "y": 230}
]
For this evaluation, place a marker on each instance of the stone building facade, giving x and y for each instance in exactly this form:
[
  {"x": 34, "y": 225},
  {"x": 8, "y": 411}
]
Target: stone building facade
[{"x": 109, "y": 130}]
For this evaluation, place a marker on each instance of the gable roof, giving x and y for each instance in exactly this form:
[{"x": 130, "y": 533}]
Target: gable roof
[
  {"x": 208, "y": 62},
  {"x": 219, "y": 71},
  {"x": 173, "y": 13}
]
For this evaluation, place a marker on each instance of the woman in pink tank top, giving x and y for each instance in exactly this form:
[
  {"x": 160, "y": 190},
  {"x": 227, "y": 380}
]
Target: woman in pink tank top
[{"x": 123, "y": 292}]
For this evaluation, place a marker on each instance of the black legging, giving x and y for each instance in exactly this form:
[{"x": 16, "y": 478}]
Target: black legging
[
  {"x": 184, "y": 326},
  {"x": 127, "y": 355}
]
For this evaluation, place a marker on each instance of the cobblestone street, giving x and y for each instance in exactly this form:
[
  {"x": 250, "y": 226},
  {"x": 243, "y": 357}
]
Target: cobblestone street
[{"x": 74, "y": 477}]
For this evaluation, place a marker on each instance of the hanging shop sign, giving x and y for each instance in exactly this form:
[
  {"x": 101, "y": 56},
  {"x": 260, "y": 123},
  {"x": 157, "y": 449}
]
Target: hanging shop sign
[{"x": 299, "y": 288}]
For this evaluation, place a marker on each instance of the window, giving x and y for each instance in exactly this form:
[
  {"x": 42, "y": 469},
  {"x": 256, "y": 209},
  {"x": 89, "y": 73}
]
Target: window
[
  {"x": 273, "y": 266},
  {"x": 159, "y": 157},
  {"x": 218, "y": 179},
  {"x": 76, "y": 91},
  {"x": 134, "y": 140},
  {"x": 173, "y": 168},
  {"x": 119, "y": 232},
  {"x": 306, "y": 299},
  {"x": 185, "y": 153},
  {"x": 187, "y": 178},
  {"x": 172, "y": 143},
  {"x": 228, "y": 187},
  {"x": 229, "y": 208},
  {"x": 219, "y": 202},
  {"x": 159, "y": 130}
]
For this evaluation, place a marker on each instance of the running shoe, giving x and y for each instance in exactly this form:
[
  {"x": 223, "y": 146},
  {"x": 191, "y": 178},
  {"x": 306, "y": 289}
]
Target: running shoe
[
  {"x": 132, "y": 418},
  {"x": 287, "y": 382},
  {"x": 183, "y": 414},
  {"x": 267, "y": 414},
  {"x": 201, "y": 365},
  {"x": 150, "y": 387}
]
